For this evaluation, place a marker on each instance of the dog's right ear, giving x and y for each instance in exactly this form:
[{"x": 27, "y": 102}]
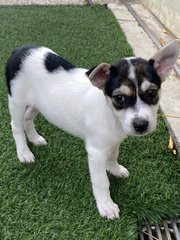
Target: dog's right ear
[{"x": 99, "y": 75}]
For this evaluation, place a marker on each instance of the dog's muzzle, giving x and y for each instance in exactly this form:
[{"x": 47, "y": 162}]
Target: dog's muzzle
[{"x": 140, "y": 125}]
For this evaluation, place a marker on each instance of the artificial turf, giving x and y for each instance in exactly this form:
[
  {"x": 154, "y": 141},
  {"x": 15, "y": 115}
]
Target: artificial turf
[{"x": 51, "y": 199}]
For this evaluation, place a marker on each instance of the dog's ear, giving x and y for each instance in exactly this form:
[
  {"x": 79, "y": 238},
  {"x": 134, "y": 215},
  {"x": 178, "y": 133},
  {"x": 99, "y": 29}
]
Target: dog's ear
[
  {"x": 165, "y": 59},
  {"x": 99, "y": 75}
]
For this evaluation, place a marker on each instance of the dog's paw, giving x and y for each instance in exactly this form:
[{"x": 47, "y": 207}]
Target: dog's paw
[
  {"x": 108, "y": 209},
  {"x": 119, "y": 171},
  {"x": 26, "y": 156},
  {"x": 38, "y": 140},
  {"x": 123, "y": 172}
]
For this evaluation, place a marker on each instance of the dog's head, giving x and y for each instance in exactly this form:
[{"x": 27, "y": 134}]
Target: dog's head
[{"x": 133, "y": 86}]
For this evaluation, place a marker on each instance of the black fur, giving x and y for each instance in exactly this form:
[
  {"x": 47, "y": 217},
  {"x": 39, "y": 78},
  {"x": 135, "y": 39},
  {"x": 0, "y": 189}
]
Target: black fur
[
  {"x": 145, "y": 69},
  {"x": 149, "y": 98},
  {"x": 118, "y": 75},
  {"x": 53, "y": 62},
  {"x": 129, "y": 101},
  {"x": 13, "y": 65}
]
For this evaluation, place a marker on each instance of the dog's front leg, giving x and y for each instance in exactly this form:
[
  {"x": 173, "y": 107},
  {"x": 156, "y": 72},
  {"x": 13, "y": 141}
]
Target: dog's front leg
[
  {"x": 100, "y": 183},
  {"x": 114, "y": 167}
]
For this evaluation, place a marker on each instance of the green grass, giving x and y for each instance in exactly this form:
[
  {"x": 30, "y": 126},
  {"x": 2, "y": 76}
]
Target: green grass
[{"x": 52, "y": 199}]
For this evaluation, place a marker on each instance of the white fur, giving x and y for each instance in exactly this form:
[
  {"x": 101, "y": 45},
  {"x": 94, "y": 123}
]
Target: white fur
[{"x": 131, "y": 74}]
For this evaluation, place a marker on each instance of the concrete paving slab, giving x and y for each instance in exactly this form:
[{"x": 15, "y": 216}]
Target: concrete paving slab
[
  {"x": 144, "y": 47},
  {"x": 167, "y": 11}
]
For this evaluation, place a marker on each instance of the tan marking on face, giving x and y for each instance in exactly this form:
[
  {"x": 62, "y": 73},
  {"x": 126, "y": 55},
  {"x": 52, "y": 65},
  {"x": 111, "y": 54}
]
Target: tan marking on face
[
  {"x": 124, "y": 90},
  {"x": 147, "y": 85}
]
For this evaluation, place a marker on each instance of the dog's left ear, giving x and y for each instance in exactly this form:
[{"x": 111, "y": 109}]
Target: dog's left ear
[
  {"x": 165, "y": 59},
  {"x": 99, "y": 75}
]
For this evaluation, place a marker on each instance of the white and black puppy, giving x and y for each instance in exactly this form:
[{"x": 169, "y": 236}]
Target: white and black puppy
[{"x": 101, "y": 105}]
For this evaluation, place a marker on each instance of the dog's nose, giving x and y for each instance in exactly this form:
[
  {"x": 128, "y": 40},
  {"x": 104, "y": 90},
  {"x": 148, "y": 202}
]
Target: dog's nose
[{"x": 140, "y": 125}]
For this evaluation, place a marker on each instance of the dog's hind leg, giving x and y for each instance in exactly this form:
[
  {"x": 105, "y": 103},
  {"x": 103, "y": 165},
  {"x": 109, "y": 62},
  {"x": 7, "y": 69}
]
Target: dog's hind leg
[
  {"x": 114, "y": 167},
  {"x": 29, "y": 127},
  {"x": 17, "y": 111}
]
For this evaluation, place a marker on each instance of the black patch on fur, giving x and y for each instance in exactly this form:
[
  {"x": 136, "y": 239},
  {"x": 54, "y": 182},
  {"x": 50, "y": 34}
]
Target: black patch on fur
[
  {"x": 118, "y": 75},
  {"x": 145, "y": 70},
  {"x": 129, "y": 102},
  {"x": 14, "y": 63},
  {"x": 53, "y": 62},
  {"x": 148, "y": 98}
]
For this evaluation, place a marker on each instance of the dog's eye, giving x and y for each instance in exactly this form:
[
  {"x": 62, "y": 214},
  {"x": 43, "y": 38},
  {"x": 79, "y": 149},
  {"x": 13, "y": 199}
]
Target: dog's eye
[
  {"x": 119, "y": 99},
  {"x": 151, "y": 92}
]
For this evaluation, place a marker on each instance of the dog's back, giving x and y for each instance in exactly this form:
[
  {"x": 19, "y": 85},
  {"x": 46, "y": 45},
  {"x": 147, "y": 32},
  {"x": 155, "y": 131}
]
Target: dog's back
[{"x": 39, "y": 77}]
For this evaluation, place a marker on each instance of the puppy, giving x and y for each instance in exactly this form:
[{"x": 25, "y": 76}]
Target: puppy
[{"x": 102, "y": 105}]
